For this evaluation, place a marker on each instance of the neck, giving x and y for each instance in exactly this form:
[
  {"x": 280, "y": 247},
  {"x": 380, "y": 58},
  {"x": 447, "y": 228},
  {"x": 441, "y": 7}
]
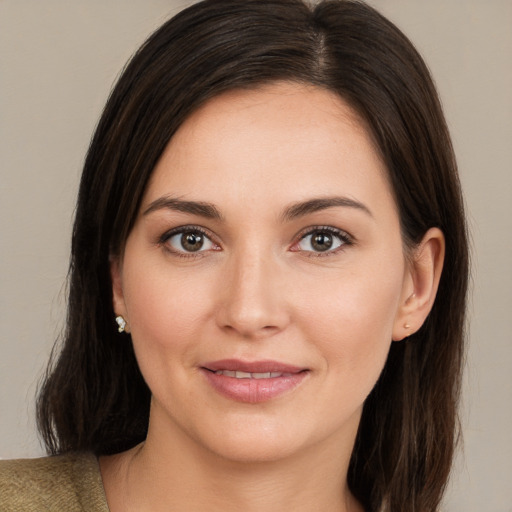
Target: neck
[{"x": 181, "y": 475}]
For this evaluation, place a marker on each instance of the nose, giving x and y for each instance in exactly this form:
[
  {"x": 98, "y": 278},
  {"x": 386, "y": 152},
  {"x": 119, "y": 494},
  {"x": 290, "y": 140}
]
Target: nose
[{"x": 253, "y": 298}]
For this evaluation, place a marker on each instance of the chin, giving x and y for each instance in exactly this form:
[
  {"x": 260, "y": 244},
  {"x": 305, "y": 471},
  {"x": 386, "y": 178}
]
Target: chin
[
  {"x": 260, "y": 447},
  {"x": 260, "y": 439}
]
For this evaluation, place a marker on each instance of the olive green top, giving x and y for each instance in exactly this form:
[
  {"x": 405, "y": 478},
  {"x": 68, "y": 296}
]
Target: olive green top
[{"x": 64, "y": 483}]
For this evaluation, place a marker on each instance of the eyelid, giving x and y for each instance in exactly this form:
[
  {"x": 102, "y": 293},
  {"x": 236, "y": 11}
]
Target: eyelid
[
  {"x": 346, "y": 239},
  {"x": 164, "y": 238}
]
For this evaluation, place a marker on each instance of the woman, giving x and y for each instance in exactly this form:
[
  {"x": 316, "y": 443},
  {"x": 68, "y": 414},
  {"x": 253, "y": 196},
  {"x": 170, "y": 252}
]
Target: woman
[{"x": 268, "y": 276}]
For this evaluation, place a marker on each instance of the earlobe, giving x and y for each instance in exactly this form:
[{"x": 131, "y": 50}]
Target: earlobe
[
  {"x": 117, "y": 291},
  {"x": 421, "y": 284}
]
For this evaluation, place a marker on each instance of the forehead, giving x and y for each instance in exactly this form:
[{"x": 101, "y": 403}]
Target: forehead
[{"x": 283, "y": 140}]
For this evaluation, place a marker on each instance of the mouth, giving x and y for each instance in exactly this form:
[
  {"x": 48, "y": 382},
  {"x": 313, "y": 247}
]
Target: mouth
[
  {"x": 251, "y": 375},
  {"x": 253, "y": 382},
  {"x": 252, "y": 367}
]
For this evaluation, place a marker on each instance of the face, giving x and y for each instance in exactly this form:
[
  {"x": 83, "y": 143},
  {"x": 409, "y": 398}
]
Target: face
[{"x": 263, "y": 278}]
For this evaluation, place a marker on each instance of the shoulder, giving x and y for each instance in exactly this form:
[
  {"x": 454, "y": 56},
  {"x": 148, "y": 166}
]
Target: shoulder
[{"x": 70, "y": 483}]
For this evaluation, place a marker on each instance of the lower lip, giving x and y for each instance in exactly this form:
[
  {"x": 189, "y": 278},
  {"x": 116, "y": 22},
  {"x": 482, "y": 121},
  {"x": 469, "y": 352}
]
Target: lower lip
[{"x": 253, "y": 391}]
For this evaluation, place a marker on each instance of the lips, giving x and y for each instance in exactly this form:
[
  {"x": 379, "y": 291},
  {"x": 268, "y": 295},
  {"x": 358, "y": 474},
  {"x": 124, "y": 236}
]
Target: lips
[
  {"x": 253, "y": 375},
  {"x": 252, "y": 382}
]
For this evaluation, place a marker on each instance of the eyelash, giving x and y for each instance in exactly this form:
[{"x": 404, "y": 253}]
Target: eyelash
[
  {"x": 181, "y": 230},
  {"x": 344, "y": 237}
]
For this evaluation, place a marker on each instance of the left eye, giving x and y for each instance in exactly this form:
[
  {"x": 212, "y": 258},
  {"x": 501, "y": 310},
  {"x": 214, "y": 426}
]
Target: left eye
[
  {"x": 190, "y": 241},
  {"x": 321, "y": 241}
]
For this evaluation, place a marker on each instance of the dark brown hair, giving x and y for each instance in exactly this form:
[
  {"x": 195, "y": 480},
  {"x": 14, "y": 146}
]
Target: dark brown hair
[{"x": 94, "y": 397}]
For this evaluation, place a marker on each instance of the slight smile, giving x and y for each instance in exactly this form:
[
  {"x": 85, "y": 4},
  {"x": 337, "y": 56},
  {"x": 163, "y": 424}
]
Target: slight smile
[{"x": 252, "y": 382}]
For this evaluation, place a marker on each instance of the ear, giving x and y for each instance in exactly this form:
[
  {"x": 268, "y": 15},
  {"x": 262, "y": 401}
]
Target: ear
[
  {"x": 117, "y": 290},
  {"x": 420, "y": 284}
]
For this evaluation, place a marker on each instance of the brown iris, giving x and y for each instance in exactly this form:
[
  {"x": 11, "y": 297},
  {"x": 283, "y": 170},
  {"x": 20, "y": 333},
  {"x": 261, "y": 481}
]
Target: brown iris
[
  {"x": 321, "y": 241},
  {"x": 192, "y": 241}
]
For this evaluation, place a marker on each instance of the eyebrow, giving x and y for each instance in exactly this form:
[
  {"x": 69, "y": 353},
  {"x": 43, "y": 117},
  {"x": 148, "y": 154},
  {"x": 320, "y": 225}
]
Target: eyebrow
[
  {"x": 322, "y": 203},
  {"x": 300, "y": 209},
  {"x": 200, "y": 208}
]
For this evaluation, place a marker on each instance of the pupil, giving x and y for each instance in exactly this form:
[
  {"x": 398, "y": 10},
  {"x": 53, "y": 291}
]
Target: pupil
[
  {"x": 191, "y": 241},
  {"x": 322, "y": 241}
]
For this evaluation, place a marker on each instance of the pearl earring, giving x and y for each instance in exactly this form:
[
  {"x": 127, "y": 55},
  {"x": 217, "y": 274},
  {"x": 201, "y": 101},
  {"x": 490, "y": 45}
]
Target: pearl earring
[{"x": 121, "y": 322}]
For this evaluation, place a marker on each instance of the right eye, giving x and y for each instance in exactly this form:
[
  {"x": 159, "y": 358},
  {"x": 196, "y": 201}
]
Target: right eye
[{"x": 188, "y": 240}]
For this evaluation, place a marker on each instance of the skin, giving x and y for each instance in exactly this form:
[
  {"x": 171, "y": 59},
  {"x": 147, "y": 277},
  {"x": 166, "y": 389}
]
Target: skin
[{"x": 259, "y": 290}]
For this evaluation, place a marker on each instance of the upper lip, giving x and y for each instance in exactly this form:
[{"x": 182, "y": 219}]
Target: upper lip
[{"x": 252, "y": 366}]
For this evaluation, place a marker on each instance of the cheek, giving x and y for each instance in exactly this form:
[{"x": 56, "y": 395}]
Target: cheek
[
  {"x": 165, "y": 308},
  {"x": 166, "y": 313},
  {"x": 351, "y": 319}
]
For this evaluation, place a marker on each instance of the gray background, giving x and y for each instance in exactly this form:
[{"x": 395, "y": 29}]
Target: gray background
[{"x": 58, "y": 60}]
